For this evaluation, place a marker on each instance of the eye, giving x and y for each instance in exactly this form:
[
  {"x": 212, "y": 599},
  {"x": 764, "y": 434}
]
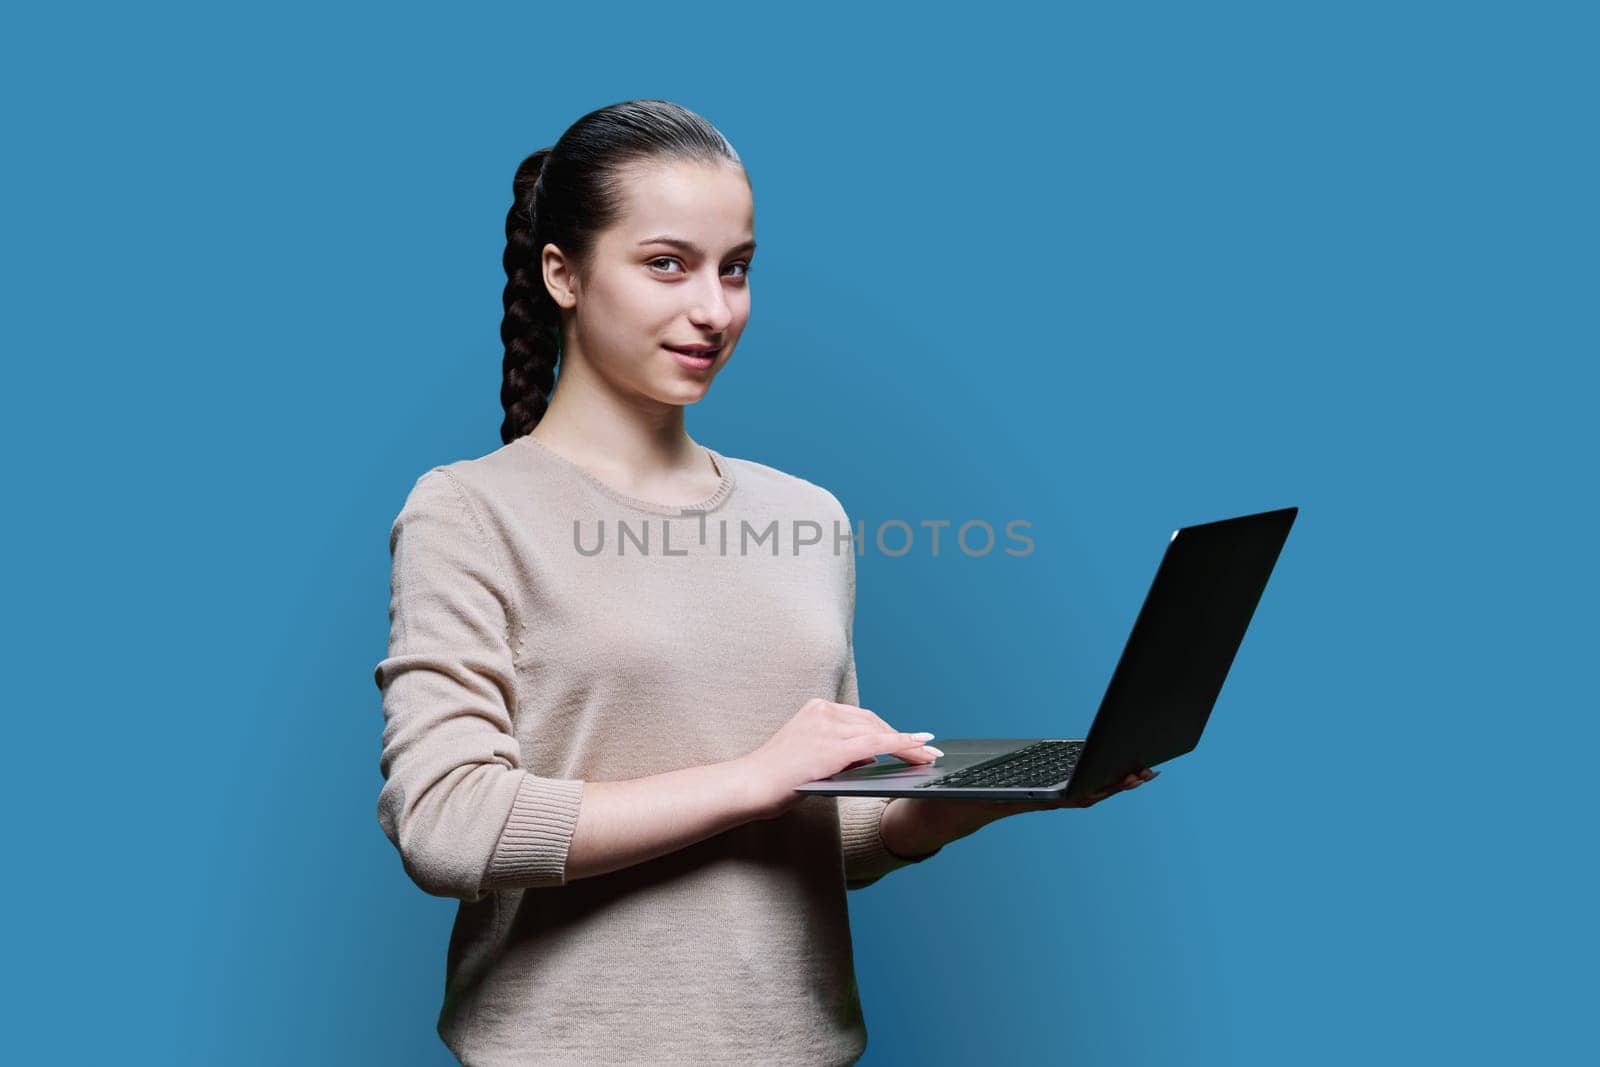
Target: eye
[{"x": 745, "y": 266}]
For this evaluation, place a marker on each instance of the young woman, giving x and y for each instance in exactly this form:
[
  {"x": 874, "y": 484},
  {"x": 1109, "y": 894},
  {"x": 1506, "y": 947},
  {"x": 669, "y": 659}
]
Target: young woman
[{"x": 614, "y": 652}]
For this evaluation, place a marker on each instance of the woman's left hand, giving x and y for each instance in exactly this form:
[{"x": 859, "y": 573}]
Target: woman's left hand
[
  {"x": 960, "y": 814},
  {"x": 918, "y": 826},
  {"x": 1132, "y": 781}
]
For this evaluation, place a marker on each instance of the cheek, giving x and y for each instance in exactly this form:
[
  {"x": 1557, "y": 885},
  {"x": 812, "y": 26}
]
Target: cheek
[
  {"x": 739, "y": 304},
  {"x": 625, "y": 312},
  {"x": 653, "y": 308}
]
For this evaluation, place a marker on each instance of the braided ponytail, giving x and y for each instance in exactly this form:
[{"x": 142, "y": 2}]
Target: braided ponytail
[
  {"x": 531, "y": 327},
  {"x": 566, "y": 195}
]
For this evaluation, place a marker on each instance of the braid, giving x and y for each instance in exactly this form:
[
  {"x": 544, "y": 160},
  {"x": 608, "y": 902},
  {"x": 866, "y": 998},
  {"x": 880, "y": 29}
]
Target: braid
[{"x": 531, "y": 328}]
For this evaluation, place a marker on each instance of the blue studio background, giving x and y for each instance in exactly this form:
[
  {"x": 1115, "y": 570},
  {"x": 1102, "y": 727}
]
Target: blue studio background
[{"x": 1109, "y": 269}]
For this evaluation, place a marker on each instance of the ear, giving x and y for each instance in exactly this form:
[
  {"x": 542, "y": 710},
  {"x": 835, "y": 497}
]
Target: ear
[{"x": 559, "y": 279}]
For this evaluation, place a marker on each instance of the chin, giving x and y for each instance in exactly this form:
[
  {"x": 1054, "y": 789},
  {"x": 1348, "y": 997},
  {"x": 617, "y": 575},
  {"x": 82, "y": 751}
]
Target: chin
[
  {"x": 689, "y": 392},
  {"x": 682, "y": 391}
]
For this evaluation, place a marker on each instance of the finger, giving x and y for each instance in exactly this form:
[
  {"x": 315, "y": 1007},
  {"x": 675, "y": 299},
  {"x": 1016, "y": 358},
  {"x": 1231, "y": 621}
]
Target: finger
[
  {"x": 865, "y": 745},
  {"x": 872, "y": 718},
  {"x": 919, "y": 754}
]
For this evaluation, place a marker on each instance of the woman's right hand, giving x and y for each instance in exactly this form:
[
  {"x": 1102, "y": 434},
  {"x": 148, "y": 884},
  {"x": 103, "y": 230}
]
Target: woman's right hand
[{"x": 821, "y": 740}]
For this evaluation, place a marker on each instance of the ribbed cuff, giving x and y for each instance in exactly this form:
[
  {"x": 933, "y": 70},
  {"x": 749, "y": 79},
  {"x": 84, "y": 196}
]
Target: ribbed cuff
[
  {"x": 866, "y": 857},
  {"x": 532, "y": 850}
]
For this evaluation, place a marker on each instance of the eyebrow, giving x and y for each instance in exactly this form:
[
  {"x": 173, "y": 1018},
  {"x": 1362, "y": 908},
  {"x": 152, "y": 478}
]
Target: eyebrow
[{"x": 692, "y": 248}]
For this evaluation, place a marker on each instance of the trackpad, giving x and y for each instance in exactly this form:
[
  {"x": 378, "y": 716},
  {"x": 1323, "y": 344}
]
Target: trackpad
[{"x": 958, "y": 755}]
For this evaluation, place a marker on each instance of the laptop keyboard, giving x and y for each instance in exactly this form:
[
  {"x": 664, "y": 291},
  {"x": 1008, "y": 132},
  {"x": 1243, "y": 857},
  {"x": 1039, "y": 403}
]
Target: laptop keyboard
[{"x": 1039, "y": 765}]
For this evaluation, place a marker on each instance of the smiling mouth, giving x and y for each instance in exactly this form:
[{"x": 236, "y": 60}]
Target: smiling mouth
[{"x": 708, "y": 354}]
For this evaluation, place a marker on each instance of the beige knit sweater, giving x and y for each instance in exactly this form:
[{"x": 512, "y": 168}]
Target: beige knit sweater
[{"x": 547, "y": 629}]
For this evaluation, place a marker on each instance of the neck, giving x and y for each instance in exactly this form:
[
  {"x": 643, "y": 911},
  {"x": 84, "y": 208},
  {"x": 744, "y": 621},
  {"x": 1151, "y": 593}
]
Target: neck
[{"x": 634, "y": 437}]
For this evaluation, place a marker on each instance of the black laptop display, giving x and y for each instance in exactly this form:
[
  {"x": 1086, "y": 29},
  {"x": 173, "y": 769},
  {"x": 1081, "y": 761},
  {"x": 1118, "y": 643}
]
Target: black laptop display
[{"x": 1160, "y": 695}]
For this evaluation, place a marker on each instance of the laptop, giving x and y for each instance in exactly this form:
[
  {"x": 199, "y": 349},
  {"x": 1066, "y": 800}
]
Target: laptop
[{"x": 1158, "y": 700}]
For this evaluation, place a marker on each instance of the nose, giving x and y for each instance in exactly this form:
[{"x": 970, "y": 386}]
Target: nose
[{"x": 710, "y": 310}]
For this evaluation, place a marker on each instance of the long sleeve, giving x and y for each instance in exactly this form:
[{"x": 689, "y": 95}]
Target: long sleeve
[
  {"x": 456, "y": 802},
  {"x": 866, "y": 858}
]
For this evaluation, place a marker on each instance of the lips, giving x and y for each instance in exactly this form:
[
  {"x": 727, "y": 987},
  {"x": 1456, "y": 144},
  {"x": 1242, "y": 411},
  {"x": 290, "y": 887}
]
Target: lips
[{"x": 695, "y": 350}]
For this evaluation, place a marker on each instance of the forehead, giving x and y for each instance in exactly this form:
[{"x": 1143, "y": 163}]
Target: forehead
[{"x": 709, "y": 204}]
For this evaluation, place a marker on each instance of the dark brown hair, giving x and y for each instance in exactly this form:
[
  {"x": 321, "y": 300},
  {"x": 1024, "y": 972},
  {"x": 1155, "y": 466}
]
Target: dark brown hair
[{"x": 566, "y": 195}]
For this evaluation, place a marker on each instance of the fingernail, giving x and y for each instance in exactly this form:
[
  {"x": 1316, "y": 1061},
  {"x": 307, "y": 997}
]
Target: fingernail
[
  {"x": 932, "y": 750},
  {"x": 923, "y": 737}
]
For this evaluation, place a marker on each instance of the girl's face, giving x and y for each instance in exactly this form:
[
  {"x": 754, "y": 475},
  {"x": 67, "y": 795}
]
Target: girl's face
[{"x": 670, "y": 273}]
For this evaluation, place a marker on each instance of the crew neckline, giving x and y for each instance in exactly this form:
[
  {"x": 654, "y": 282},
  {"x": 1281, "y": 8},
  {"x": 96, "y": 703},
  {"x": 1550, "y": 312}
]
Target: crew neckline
[{"x": 718, "y": 463}]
